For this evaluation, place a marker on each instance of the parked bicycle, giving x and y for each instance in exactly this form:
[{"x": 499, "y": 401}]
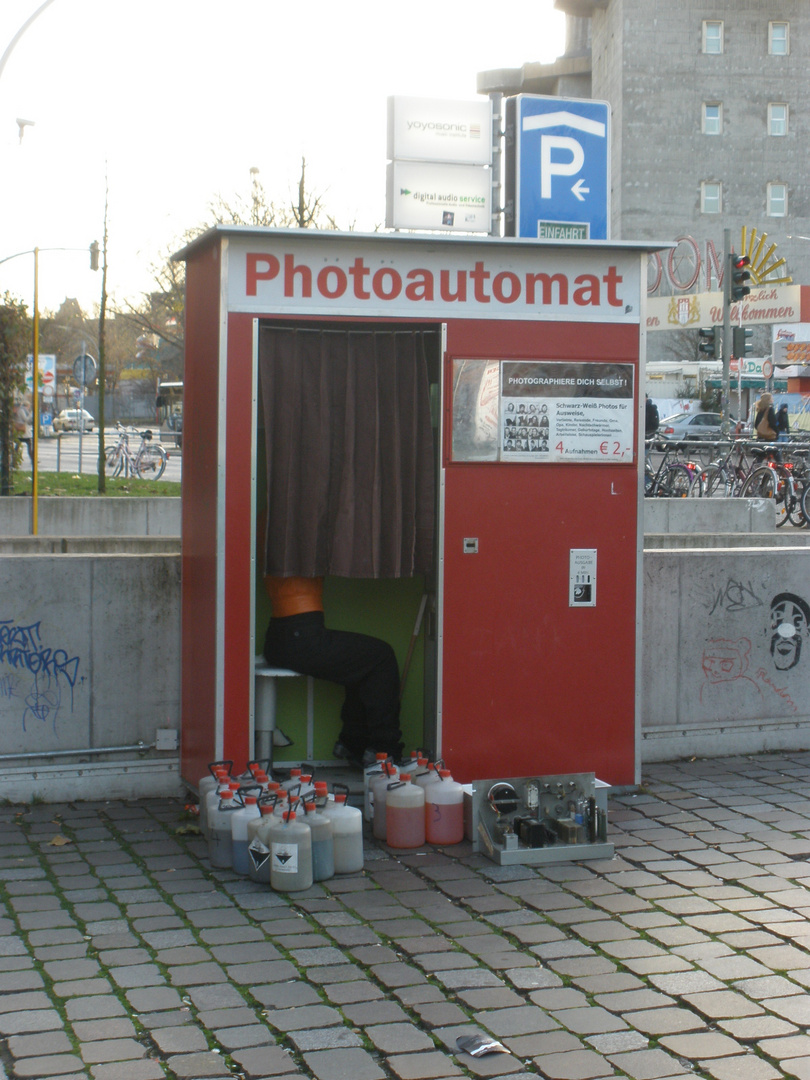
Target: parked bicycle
[
  {"x": 672, "y": 479},
  {"x": 146, "y": 463}
]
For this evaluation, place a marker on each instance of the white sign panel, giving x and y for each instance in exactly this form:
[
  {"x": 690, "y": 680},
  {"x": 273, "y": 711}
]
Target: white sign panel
[
  {"x": 767, "y": 304},
  {"x": 421, "y": 129},
  {"x": 582, "y": 577},
  {"x": 47, "y": 370},
  {"x": 449, "y": 198},
  {"x": 573, "y": 412},
  {"x": 323, "y": 274}
]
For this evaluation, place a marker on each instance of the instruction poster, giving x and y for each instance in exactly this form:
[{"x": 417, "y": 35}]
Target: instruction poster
[{"x": 559, "y": 411}]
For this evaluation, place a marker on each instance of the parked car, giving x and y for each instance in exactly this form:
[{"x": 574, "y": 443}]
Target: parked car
[
  {"x": 697, "y": 425},
  {"x": 70, "y": 419}
]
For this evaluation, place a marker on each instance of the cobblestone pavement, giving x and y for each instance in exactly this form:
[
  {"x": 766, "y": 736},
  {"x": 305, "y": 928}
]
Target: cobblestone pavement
[{"x": 124, "y": 957}]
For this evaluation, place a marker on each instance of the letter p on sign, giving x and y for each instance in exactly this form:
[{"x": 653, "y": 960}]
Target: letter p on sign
[{"x": 550, "y": 168}]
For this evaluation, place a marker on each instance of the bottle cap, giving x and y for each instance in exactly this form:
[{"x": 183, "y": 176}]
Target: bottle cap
[
  {"x": 381, "y": 757},
  {"x": 289, "y": 815},
  {"x": 340, "y": 799},
  {"x": 444, "y": 774},
  {"x": 266, "y": 809},
  {"x": 250, "y": 800},
  {"x": 226, "y": 794}
]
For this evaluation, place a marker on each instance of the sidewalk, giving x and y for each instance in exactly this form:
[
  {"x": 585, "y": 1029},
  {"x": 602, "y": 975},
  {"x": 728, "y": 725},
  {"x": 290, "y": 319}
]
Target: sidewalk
[{"x": 124, "y": 957}]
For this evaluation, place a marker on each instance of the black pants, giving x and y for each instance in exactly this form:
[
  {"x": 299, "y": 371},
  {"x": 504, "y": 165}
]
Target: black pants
[{"x": 366, "y": 666}]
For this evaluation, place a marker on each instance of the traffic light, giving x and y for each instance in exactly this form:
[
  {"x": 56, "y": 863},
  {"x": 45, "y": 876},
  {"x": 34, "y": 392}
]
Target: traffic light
[
  {"x": 740, "y": 276},
  {"x": 707, "y": 342},
  {"x": 94, "y": 255},
  {"x": 741, "y": 341}
]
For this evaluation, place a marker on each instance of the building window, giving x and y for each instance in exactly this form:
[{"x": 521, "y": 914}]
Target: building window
[
  {"x": 777, "y": 200},
  {"x": 711, "y": 197},
  {"x": 712, "y": 37},
  {"x": 777, "y": 119},
  {"x": 778, "y": 38},
  {"x": 712, "y": 123}
]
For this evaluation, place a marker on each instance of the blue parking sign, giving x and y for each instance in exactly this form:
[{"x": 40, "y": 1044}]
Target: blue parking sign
[{"x": 558, "y": 168}]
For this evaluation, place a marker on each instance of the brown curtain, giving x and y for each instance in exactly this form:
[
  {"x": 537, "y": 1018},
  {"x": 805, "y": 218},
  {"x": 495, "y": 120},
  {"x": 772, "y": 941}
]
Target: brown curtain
[{"x": 349, "y": 451}]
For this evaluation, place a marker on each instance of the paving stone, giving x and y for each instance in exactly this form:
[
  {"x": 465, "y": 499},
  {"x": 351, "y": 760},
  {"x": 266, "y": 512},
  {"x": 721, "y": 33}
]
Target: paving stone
[
  {"x": 330, "y": 1038},
  {"x": 790, "y": 1046},
  {"x": 647, "y": 1065},
  {"x": 20, "y": 1022},
  {"x": 748, "y": 1067},
  {"x": 796, "y": 1009},
  {"x": 198, "y": 1065},
  {"x": 398, "y": 1038},
  {"x": 236, "y": 1038},
  {"x": 378, "y": 1012},
  {"x": 349, "y": 992},
  {"x": 702, "y": 1044},
  {"x": 180, "y": 1040},
  {"x": 303, "y": 1017},
  {"x": 153, "y": 999},
  {"x": 657, "y": 1022},
  {"x": 94, "y": 1008},
  {"x": 524, "y": 1020},
  {"x": 433, "y": 1065},
  {"x": 266, "y": 1061},
  {"x": 573, "y": 1065},
  {"x": 751, "y": 1028},
  {"x": 723, "y": 1004},
  {"x": 107, "y": 1050},
  {"x": 114, "y": 1027},
  {"x": 38, "y": 1068},
  {"x": 349, "y": 1064},
  {"x": 285, "y": 995},
  {"x": 41, "y": 1044}
]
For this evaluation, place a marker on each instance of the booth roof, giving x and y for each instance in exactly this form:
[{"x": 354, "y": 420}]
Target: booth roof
[{"x": 211, "y": 235}]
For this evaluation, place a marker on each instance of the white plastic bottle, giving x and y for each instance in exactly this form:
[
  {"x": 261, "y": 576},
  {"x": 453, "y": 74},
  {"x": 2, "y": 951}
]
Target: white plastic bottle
[
  {"x": 220, "y": 844},
  {"x": 323, "y": 843},
  {"x": 240, "y": 820},
  {"x": 427, "y": 776},
  {"x": 209, "y": 783},
  {"x": 444, "y": 811},
  {"x": 290, "y": 854},
  {"x": 379, "y": 791},
  {"x": 347, "y": 830},
  {"x": 405, "y": 814},
  {"x": 258, "y": 845}
]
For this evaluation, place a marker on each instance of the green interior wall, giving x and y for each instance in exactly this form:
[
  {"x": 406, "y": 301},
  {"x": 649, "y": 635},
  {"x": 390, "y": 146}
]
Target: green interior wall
[{"x": 386, "y": 609}]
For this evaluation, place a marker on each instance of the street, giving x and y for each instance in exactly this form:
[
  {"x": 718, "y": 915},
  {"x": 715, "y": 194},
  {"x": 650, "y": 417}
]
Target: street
[{"x": 61, "y": 453}]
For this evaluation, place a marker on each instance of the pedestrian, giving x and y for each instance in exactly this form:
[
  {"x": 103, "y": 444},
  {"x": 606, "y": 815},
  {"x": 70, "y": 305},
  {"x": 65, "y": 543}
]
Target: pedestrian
[
  {"x": 23, "y": 430},
  {"x": 782, "y": 424},
  {"x": 765, "y": 418}
]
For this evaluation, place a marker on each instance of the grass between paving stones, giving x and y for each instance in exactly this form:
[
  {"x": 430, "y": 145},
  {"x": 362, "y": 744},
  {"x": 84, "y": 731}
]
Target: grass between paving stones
[
  {"x": 343, "y": 900},
  {"x": 59, "y": 1004}
]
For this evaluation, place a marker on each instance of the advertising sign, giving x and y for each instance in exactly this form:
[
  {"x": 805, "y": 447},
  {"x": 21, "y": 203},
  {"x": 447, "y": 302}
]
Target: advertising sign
[
  {"x": 539, "y": 411},
  {"x": 573, "y": 412},
  {"x": 449, "y": 198},
  {"x": 558, "y": 168},
  {"x": 421, "y": 129}
]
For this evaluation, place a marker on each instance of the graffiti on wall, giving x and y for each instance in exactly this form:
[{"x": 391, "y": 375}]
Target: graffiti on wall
[
  {"x": 734, "y": 683},
  {"x": 38, "y": 680}
]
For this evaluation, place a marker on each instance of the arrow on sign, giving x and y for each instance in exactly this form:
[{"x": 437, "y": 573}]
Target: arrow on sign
[{"x": 580, "y": 191}]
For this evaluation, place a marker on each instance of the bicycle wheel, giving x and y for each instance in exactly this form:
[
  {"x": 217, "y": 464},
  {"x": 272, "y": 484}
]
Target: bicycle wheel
[
  {"x": 717, "y": 483},
  {"x": 113, "y": 461},
  {"x": 805, "y": 504},
  {"x": 151, "y": 462},
  {"x": 796, "y": 513},
  {"x": 678, "y": 482},
  {"x": 763, "y": 483}
]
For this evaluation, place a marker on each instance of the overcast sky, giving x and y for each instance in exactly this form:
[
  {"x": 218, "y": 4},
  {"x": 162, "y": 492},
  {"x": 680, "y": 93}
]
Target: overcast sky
[{"x": 176, "y": 100}]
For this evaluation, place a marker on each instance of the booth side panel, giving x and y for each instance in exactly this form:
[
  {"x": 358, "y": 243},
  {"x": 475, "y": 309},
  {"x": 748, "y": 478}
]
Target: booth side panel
[
  {"x": 239, "y": 541},
  {"x": 530, "y": 685},
  {"x": 199, "y": 516}
]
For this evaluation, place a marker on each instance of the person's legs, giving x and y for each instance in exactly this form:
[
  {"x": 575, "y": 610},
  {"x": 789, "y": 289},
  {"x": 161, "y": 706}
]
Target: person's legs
[{"x": 366, "y": 666}]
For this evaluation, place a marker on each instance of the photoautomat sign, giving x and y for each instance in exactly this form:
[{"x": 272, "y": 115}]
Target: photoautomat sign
[
  {"x": 353, "y": 276},
  {"x": 573, "y": 412}
]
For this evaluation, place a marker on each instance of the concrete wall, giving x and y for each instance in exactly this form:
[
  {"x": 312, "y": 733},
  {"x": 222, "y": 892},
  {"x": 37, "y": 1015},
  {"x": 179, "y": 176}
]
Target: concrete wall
[
  {"x": 726, "y": 655},
  {"x": 710, "y": 516},
  {"x": 92, "y": 516},
  {"x": 89, "y": 659},
  {"x": 90, "y": 648}
]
